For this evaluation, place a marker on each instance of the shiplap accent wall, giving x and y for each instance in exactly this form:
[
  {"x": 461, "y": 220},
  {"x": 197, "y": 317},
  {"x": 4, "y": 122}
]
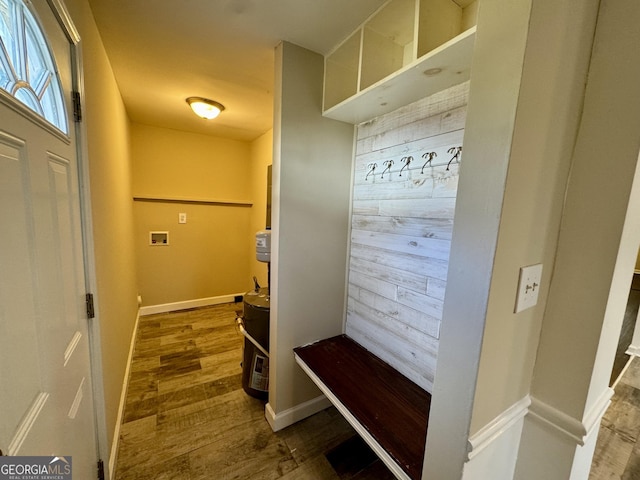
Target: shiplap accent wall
[{"x": 401, "y": 231}]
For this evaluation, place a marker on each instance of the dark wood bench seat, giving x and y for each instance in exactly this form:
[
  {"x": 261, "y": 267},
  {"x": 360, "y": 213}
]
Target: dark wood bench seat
[{"x": 389, "y": 411}]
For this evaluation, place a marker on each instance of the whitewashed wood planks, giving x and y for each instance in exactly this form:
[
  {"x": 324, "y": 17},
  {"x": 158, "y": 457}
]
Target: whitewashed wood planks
[{"x": 402, "y": 222}]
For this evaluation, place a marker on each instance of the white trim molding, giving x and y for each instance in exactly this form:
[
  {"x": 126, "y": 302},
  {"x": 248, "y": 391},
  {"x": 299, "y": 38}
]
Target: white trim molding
[
  {"x": 570, "y": 427},
  {"x": 281, "y": 420},
  {"x": 186, "y": 304},
  {"x": 497, "y": 427},
  {"x": 113, "y": 457},
  {"x": 633, "y": 350},
  {"x": 567, "y": 425},
  {"x": 594, "y": 416}
]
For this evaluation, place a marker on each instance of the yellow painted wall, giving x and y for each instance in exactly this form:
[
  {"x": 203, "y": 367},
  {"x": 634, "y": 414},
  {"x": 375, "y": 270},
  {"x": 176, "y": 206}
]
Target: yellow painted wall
[
  {"x": 261, "y": 158},
  {"x": 207, "y": 256},
  {"x": 109, "y": 167}
]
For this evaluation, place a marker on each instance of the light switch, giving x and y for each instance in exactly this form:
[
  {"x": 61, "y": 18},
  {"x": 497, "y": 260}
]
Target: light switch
[
  {"x": 182, "y": 218},
  {"x": 528, "y": 287}
]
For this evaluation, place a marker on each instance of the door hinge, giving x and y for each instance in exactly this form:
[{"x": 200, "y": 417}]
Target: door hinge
[
  {"x": 90, "y": 310},
  {"x": 100, "y": 470},
  {"x": 77, "y": 107}
]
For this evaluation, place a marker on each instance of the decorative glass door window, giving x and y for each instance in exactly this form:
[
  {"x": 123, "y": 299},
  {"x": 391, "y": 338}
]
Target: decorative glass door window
[{"x": 27, "y": 67}]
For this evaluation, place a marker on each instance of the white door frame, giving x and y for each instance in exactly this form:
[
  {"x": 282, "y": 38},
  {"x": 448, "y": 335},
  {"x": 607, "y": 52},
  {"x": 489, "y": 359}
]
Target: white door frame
[{"x": 61, "y": 12}]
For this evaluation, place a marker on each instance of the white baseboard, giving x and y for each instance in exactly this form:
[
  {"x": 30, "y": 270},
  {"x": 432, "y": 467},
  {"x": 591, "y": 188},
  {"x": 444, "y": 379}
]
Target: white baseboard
[
  {"x": 624, "y": 370},
  {"x": 113, "y": 457},
  {"x": 186, "y": 304},
  {"x": 633, "y": 350},
  {"x": 281, "y": 420}
]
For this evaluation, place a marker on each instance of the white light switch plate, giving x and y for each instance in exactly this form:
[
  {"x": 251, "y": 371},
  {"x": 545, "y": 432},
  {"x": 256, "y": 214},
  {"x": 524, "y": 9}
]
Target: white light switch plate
[{"x": 528, "y": 287}]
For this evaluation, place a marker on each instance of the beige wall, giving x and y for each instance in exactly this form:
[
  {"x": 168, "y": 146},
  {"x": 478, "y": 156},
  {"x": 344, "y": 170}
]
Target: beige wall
[
  {"x": 543, "y": 140},
  {"x": 261, "y": 158},
  {"x": 207, "y": 256},
  {"x": 311, "y": 185},
  {"x": 587, "y": 299},
  {"x": 534, "y": 188},
  {"x": 109, "y": 167}
]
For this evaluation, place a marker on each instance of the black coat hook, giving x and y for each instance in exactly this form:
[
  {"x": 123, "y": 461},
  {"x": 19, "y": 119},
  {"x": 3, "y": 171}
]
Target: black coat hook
[
  {"x": 456, "y": 151},
  {"x": 406, "y": 161},
  {"x": 372, "y": 169},
  {"x": 429, "y": 156},
  {"x": 388, "y": 164}
]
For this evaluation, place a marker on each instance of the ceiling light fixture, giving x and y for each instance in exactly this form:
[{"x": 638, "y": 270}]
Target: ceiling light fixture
[
  {"x": 432, "y": 71},
  {"x": 205, "y": 108}
]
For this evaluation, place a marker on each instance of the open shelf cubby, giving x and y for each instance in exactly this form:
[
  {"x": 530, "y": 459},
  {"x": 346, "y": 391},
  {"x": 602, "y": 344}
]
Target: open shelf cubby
[{"x": 406, "y": 50}]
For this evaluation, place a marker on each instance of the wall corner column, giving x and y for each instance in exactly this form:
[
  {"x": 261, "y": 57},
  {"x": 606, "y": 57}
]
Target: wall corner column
[
  {"x": 312, "y": 168},
  {"x": 597, "y": 248}
]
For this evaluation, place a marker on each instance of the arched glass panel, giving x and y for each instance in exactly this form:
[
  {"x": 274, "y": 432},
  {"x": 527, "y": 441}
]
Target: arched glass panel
[{"x": 27, "y": 68}]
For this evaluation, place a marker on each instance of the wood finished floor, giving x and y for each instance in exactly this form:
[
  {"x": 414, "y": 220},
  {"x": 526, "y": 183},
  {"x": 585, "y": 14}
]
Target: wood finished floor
[
  {"x": 617, "y": 454},
  {"x": 186, "y": 416}
]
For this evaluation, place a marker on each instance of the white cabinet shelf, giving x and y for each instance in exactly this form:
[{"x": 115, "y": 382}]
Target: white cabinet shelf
[
  {"x": 407, "y": 50},
  {"x": 411, "y": 83}
]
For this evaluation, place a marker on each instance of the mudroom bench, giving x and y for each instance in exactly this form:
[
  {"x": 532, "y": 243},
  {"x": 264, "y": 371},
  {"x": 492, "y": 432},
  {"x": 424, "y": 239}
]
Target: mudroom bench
[{"x": 389, "y": 411}]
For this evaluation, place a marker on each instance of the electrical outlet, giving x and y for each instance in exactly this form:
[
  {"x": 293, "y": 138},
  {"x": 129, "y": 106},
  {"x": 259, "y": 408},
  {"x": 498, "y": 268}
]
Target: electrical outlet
[
  {"x": 182, "y": 218},
  {"x": 528, "y": 287}
]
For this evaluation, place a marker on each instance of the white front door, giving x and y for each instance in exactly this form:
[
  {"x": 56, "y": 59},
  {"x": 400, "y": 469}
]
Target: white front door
[{"x": 45, "y": 374}]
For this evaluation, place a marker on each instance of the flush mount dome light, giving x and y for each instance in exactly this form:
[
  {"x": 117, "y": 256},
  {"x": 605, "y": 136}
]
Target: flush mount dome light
[
  {"x": 432, "y": 72},
  {"x": 205, "y": 108}
]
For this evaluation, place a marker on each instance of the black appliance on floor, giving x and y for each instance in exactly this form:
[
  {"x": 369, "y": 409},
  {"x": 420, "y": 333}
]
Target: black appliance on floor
[{"x": 254, "y": 325}]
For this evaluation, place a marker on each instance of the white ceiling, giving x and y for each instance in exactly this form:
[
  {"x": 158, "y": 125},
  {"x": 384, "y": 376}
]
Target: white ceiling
[{"x": 163, "y": 51}]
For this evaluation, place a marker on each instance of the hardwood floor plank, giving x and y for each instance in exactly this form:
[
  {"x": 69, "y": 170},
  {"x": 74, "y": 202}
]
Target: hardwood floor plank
[
  {"x": 222, "y": 386},
  {"x": 316, "y": 435},
  {"x": 632, "y": 470},
  {"x": 141, "y": 409},
  {"x": 617, "y": 453},
  {"x": 623, "y": 415},
  {"x": 145, "y": 364},
  {"x": 611, "y": 456},
  {"x": 173, "y": 469},
  {"x": 143, "y": 428},
  {"x": 248, "y": 451},
  {"x": 317, "y": 467},
  {"x": 632, "y": 376},
  {"x": 179, "y": 398}
]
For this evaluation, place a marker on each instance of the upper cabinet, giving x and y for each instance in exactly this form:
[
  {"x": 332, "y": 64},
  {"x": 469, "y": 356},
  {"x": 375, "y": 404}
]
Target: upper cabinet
[{"x": 407, "y": 50}]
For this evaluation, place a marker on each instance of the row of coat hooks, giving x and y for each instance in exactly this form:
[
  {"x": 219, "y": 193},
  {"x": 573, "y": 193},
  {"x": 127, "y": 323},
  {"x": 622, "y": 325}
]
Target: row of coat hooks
[{"x": 456, "y": 152}]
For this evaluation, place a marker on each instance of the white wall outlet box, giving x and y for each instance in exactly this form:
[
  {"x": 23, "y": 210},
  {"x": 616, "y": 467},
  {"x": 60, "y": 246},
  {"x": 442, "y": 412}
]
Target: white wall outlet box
[
  {"x": 182, "y": 218},
  {"x": 528, "y": 287}
]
